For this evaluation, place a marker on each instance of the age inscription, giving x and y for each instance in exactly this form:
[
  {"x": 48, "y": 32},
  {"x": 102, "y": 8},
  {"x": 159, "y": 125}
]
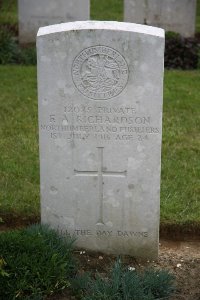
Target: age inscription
[{"x": 106, "y": 123}]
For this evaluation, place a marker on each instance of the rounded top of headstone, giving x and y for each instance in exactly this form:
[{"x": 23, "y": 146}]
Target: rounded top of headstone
[{"x": 102, "y": 25}]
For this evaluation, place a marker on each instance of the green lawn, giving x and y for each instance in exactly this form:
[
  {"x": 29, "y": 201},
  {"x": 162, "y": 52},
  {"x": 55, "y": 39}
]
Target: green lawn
[
  {"x": 19, "y": 166},
  {"x": 110, "y": 10},
  {"x": 180, "y": 189},
  {"x": 19, "y": 171}
]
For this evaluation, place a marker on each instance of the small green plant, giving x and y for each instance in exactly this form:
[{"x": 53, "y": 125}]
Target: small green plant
[
  {"x": 28, "y": 56},
  {"x": 181, "y": 53},
  {"x": 172, "y": 34},
  {"x": 2, "y": 266},
  {"x": 9, "y": 50},
  {"x": 12, "y": 53},
  {"x": 125, "y": 284},
  {"x": 34, "y": 262}
]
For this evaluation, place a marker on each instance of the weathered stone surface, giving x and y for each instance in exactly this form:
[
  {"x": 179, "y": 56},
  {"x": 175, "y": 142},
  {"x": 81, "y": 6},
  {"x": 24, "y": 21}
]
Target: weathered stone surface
[
  {"x": 171, "y": 15},
  {"x": 34, "y": 14},
  {"x": 100, "y": 112}
]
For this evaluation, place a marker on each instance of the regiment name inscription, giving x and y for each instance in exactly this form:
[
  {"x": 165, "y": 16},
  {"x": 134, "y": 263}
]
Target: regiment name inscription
[{"x": 101, "y": 123}]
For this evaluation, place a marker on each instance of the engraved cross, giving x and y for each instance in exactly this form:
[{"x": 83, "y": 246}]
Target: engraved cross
[{"x": 100, "y": 173}]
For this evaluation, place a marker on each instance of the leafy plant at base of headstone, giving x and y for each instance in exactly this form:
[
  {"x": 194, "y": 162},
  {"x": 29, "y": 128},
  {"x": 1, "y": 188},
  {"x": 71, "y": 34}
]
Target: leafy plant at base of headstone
[
  {"x": 181, "y": 53},
  {"x": 124, "y": 284},
  {"x": 12, "y": 53},
  {"x": 28, "y": 56},
  {"x": 2, "y": 267},
  {"x": 36, "y": 262},
  {"x": 8, "y": 47}
]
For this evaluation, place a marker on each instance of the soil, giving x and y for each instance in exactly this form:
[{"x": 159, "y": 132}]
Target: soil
[{"x": 181, "y": 256}]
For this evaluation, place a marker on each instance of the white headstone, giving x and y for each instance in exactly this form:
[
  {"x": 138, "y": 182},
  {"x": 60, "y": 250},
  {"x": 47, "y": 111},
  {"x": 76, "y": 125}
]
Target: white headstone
[
  {"x": 100, "y": 90},
  {"x": 34, "y": 14},
  {"x": 171, "y": 15}
]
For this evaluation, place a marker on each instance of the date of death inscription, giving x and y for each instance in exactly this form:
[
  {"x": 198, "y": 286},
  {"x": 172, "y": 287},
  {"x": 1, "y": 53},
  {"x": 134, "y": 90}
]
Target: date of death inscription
[
  {"x": 104, "y": 233},
  {"x": 122, "y": 123}
]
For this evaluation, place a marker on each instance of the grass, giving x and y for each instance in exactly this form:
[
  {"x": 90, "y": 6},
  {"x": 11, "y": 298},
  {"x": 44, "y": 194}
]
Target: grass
[
  {"x": 34, "y": 262},
  {"x": 19, "y": 179},
  {"x": 110, "y": 10},
  {"x": 19, "y": 166},
  {"x": 180, "y": 192}
]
